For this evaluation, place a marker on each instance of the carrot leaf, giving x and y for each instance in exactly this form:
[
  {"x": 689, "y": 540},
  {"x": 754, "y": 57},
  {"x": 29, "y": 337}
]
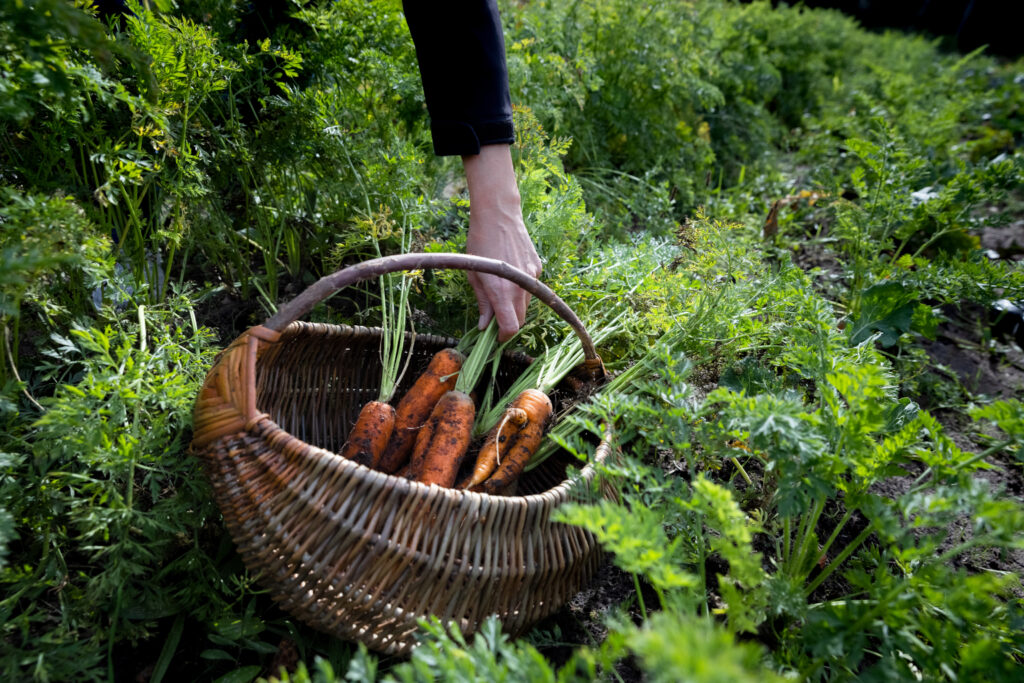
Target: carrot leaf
[{"x": 482, "y": 347}]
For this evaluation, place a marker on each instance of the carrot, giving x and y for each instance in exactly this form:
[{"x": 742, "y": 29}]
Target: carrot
[
  {"x": 405, "y": 471},
  {"x": 443, "y": 442},
  {"x": 412, "y": 468},
  {"x": 370, "y": 434},
  {"x": 415, "y": 407},
  {"x": 496, "y": 443},
  {"x": 538, "y": 409}
]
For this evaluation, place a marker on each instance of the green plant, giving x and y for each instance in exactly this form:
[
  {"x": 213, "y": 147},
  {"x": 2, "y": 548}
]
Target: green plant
[
  {"x": 51, "y": 257},
  {"x": 802, "y": 455},
  {"x": 784, "y": 507},
  {"x": 909, "y": 216},
  {"x": 1008, "y": 416},
  {"x": 108, "y": 510},
  {"x": 623, "y": 105}
]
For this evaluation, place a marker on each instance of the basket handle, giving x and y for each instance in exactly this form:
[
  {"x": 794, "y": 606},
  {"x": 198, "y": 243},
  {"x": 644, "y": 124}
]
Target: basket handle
[{"x": 329, "y": 284}]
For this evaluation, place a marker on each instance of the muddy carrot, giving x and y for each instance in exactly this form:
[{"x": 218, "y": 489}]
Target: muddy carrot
[
  {"x": 370, "y": 434},
  {"x": 415, "y": 407},
  {"x": 496, "y": 443},
  {"x": 412, "y": 467},
  {"x": 538, "y": 409},
  {"x": 443, "y": 443}
]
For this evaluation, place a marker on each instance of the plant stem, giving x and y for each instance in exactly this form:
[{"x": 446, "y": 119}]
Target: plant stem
[
  {"x": 142, "y": 328},
  {"x": 475, "y": 363},
  {"x": 839, "y": 559},
  {"x": 835, "y": 533},
  {"x": 639, "y": 595},
  {"x": 920, "y": 485},
  {"x": 743, "y": 472},
  {"x": 702, "y": 570},
  {"x": 167, "y": 273},
  {"x": 14, "y": 367},
  {"x": 791, "y": 559},
  {"x": 787, "y": 535},
  {"x": 808, "y": 537}
]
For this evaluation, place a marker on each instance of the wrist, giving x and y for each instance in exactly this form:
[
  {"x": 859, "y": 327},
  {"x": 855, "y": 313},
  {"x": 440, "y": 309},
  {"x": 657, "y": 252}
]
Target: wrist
[{"x": 490, "y": 177}]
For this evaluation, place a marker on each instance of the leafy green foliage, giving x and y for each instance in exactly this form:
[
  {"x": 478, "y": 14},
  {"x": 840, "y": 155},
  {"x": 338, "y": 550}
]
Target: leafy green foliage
[
  {"x": 600, "y": 78},
  {"x": 816, "y": 448},
  {"x": 673, "y": 648},
  {"x": 40, "y": 239},
  {"x": 887, "y": 309},
  {"x": 107, "y": 510},
  {"x": 1008, "y": 416},
  {"x": 35, "y": 37},
  {"x": 490, "y": 655},
  {"x": 783, "y": 506}
]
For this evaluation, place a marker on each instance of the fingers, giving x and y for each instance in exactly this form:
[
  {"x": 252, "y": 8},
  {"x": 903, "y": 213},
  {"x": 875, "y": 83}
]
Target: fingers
[
  {"x": 520, "y": 300},
  {"x": 502, "y": 300},
  {"x": 508, "y": 323},
  {"x": 483, "y": 302}
]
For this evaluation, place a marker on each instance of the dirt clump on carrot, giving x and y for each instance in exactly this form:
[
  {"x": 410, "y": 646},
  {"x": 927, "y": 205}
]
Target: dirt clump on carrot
[{"x": 496, "y": 443}]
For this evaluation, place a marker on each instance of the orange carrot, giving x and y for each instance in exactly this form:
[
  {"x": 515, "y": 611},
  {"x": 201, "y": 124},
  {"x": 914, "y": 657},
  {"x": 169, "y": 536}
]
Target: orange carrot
[
  {"x": 538, "y": 409},
  {"x": 405, "y": 471},
  {"x": 443, "y": 443},
  {"x": 495, "y": 444},
  {"x": 424, "y": 436},
  {"x": 415, "y": 407},
  {"x": 370, "y": 434}
]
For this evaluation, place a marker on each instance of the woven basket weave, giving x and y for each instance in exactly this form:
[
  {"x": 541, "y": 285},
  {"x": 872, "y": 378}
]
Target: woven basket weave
[{"x": 353, "y": 552}]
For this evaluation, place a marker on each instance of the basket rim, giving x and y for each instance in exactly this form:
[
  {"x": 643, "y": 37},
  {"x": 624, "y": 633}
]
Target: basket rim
[{"x": 263, "y": 426}]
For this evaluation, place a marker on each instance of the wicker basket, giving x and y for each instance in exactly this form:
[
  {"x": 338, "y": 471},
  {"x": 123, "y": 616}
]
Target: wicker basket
[{"x": 353, "y": 552}]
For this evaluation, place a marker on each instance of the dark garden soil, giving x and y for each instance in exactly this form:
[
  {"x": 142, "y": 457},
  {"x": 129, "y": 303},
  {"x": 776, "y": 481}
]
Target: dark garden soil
[
  {"x": 1007, "y": 242},
  {"x": 582, "y": 620},
  {"x": 228, "y": 313},
  {"x": 989, "y": 367}
]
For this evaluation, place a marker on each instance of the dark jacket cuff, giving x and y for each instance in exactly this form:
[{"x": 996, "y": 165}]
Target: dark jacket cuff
[{"x": 463, "y": 139}]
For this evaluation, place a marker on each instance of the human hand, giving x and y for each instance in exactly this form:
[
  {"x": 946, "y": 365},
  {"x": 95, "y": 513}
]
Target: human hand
[{"x": 496, "y": 230}]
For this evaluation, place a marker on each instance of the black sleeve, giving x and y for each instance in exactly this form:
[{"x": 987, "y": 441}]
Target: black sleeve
[{"x": 461, "y": 53}]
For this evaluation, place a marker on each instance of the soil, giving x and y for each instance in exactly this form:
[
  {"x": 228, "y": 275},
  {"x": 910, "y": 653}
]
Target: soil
[
  {"x": 987, "y": 368},
  {"x": 226, "y": 312},
  {"x": 968, "y": 349},
  {"x": 1007, "y": 242},
  {"x": 582, "y": 620}
]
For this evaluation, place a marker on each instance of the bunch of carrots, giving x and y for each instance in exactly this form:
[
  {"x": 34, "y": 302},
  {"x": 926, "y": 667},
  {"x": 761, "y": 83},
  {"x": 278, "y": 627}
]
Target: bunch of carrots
[{"x": 427, "y": 435}]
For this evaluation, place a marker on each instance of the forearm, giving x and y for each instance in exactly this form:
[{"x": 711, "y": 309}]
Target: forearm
[
  {"x": 461, "y": 54},
  {"x": 497, "y": 230}
]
